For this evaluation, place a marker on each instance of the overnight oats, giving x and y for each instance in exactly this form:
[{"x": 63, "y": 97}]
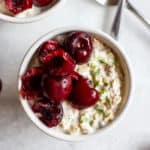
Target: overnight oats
[
  {"x": 25, "y": 8},
  {"x": 74, "y": 83}
]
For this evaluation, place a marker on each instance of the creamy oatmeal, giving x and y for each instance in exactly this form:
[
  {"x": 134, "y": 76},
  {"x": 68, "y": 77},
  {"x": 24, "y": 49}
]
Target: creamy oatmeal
[{"x": 105, "y": 75}]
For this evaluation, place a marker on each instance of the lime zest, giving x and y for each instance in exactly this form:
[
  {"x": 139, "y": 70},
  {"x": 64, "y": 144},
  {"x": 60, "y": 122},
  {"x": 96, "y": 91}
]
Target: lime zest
[
  {"x": 100, "y": 111},
  {"x": 106, "y": 114},
  {"x": 84, "y": 119},
  {"x": 110, "y": 63}
]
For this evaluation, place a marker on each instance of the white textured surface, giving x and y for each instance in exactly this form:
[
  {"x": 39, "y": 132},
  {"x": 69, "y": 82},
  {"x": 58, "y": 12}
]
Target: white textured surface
[{"x": 133, "y": 132}]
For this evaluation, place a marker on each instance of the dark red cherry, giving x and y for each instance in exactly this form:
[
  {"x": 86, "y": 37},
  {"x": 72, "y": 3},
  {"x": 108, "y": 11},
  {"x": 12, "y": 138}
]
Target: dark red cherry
[
  {"x": 17, "y": 6},
  {"x": 31, "y": 83},
  {"x": 46, "y": 48},
  {"x": 57, "y": 88},
  {"x": 75, "y": 76},
  {"x": 82, "y": 95},
  {"x": 49, "y": 112},
  {"x": 42, "y": 2},
  {"x": 59, "y": 63},
  {"x": 79, "y": 46}
]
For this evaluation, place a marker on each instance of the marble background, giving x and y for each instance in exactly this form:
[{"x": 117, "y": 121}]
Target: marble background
[{"x": 133, "y": 132}]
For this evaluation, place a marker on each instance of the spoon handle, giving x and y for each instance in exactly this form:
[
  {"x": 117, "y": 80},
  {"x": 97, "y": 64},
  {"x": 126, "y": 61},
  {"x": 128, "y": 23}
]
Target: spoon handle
[
  {"x": 138, "y": 14},
  {"x": 116, "y": 24}
]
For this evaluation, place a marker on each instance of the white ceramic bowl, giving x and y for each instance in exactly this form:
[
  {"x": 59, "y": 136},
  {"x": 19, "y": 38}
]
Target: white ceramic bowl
[
  {"x": 20, "y": 20},
  {"x": 123, "y": 61}
]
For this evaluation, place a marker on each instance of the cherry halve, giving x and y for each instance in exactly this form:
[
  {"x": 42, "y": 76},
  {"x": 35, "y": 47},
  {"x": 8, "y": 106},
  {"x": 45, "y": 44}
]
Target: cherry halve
[
  {"x": 31, "y": 83},
  {"x": 17, "y": 6},
  {"x": 57, "y": 88},
  {"x": 82, "y": 95},
  {"x": 59, "y": 63},
  {"x": 42, "y": 2},
  {"x": 46, "y": 48},
  {"x": 50, "y": 112},
  {"x": 79, "y": 46}
]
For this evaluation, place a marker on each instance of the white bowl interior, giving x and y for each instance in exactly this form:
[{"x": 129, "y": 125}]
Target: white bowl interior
[
  {"x": 45, "y": 11},
  {"x": 125, "y": 68}
]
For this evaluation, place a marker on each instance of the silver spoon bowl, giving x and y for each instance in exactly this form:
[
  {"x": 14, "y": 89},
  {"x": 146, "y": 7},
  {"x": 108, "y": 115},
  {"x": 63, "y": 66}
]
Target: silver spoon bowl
[{"x": 108, "y": 2}]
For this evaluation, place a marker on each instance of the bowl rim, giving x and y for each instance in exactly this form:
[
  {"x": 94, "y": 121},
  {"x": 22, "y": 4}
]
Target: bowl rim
[
  {"x": 38, "y": 17},
  {"x": 105, "y": 36}
]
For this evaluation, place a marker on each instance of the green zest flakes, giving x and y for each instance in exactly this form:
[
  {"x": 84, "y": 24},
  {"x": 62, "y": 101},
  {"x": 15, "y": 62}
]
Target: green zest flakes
[
  {"x": 94, "y": 74},
  {"x": 101, "y": 60},
  {"x": 106, "y": 114},
  {"x": 84, "y": 119},
  {"x": 100, "y": 111},
  {"x": 107, "y": 62}
]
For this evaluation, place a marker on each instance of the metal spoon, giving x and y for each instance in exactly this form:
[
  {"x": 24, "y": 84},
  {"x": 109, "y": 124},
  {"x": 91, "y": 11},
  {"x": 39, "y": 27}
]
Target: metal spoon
[
  {"x": 107, "y": 2},
  {"x": 116, "y": 23},
  {"x": 138, "y": 14},
  {"x": 130, "y": 7}
]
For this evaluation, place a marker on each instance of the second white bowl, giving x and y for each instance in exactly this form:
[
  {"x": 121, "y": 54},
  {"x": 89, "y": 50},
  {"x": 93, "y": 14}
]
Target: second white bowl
[{"x": 45, "y": 12}]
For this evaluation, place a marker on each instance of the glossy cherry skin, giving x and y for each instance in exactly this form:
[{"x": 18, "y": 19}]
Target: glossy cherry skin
[
  {"x": 17, "y": 6},
  {"x": 59, "y": 63},
  {"x": 49, "y": 112},
  {"x": 42, "y": 2},
  {"x": 79, "y": 46},
  {"x": 82, "y": 95},
  {"x": 57, "y": 88},
  {"x": 31, "y": 83},
  {"x": 46, "y": 48}
]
